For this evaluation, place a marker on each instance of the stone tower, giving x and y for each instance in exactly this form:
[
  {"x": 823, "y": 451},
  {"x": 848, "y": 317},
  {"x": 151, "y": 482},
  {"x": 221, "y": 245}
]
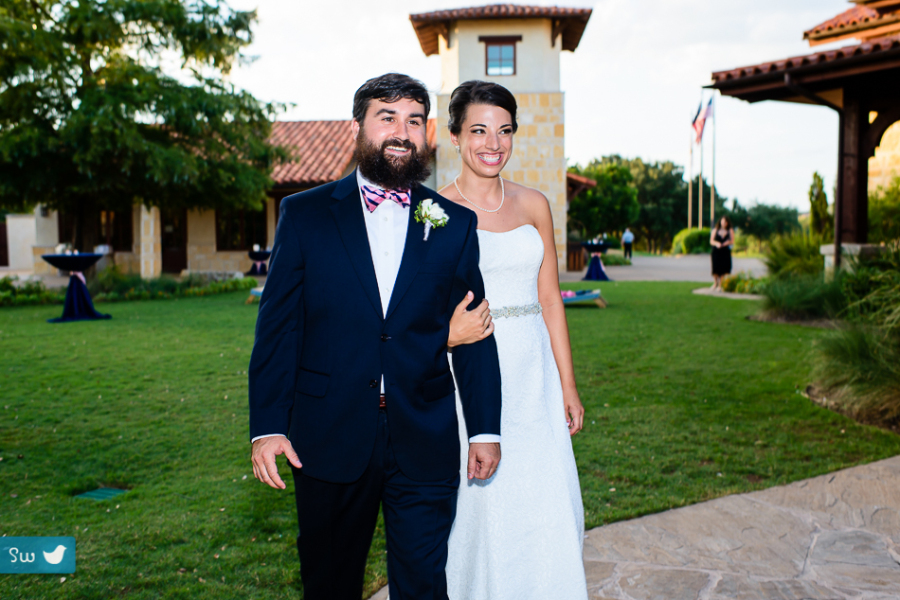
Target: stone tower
[{"x": 517, "y": 47}]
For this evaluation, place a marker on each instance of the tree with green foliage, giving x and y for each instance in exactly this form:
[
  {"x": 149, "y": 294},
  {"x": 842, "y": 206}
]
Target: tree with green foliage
[
  {"x": 661, "y": 196},
  {"x": 610, "y": 206},
  {"x": 762, "y": 221},
  {"x": 820, "y": 220},
  {"x": 90, "y": 120}
]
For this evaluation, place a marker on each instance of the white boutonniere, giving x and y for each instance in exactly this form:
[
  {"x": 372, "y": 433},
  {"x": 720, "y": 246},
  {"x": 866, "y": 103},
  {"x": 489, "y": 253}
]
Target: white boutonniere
[{"x": 430, "y": 213}]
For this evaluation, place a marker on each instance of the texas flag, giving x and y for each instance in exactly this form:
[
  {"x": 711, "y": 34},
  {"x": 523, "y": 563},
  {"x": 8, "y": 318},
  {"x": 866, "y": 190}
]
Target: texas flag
[{"x": 700, "y": 119}]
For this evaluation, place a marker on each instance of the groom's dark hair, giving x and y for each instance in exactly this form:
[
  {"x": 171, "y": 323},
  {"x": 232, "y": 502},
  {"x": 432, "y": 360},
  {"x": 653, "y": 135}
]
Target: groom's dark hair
[{"x": 389, "y": 88}]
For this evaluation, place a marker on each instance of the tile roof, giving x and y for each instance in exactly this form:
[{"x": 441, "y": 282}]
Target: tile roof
[
  {"x": 871, "y": 48},
  {"x": 854, "y": 20},
  {"x": 323, "y": 150},
  {"x": 430, "y": 25},
  {"x": 575, "y": 184},
  {"x": 580, "y": 179}
]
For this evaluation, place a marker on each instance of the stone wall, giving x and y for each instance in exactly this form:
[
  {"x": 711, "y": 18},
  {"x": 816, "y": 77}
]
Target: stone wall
[
  {"x": 20, "y": 238},
  {"x": 41, "y": 267},
  {"x": 538, "y": 158},
  {"x": 885, "y": 165},
  {"x": 201, "y": 250},
  {"x": 148, "y": 240},
  {"x": 127, "y": 262}
]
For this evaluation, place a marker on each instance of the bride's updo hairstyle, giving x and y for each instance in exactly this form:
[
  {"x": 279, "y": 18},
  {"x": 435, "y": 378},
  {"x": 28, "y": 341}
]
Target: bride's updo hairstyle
[{"x": 479, "y": 92}]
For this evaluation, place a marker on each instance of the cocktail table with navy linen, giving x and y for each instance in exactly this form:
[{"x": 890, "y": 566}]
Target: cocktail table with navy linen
[{"x": 78, "y": 306}]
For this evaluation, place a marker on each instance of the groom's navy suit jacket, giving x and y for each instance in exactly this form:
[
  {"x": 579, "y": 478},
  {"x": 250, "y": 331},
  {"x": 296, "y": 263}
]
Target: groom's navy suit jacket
[{"x": 323, "y": 342}]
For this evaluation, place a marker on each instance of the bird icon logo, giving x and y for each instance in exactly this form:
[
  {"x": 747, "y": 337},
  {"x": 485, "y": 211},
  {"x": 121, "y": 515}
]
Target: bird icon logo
[{"x": 55, "y": 557}]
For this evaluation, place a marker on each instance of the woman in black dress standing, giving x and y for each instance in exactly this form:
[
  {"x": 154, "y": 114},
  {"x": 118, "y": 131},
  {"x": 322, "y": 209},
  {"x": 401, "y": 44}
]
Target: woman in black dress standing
[{"x": 721, "y": 240}]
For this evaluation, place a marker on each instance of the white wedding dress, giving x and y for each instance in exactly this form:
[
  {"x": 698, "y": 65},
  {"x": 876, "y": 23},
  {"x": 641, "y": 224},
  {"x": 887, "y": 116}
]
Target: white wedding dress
[{"x": 519, "y": 535}]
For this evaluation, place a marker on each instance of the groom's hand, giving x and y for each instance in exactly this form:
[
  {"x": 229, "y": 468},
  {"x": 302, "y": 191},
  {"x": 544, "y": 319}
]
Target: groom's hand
[
  {"x": 263, "y": 455},
  {"x": 483, "y": 460}
]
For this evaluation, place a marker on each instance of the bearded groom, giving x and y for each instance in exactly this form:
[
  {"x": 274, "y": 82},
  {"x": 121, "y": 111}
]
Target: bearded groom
[{"x": 349, "y": 376}]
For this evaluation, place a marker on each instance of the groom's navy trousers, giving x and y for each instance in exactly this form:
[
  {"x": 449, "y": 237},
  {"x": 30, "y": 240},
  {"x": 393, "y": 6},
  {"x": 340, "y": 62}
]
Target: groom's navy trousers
[{"x": 323, "y": 345}]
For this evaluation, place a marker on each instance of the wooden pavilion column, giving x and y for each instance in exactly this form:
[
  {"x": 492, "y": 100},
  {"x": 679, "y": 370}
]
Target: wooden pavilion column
[{"x": 852, "y": 216}]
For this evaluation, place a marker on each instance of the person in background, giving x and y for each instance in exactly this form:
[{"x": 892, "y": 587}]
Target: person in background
[
  {"x": 627, "y": 242},
  {"x": 721, "y": 239}
]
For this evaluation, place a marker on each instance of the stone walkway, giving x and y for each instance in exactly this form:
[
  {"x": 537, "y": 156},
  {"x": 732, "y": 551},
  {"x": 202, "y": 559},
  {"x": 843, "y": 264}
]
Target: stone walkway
[{"x": 833, "y": 537}]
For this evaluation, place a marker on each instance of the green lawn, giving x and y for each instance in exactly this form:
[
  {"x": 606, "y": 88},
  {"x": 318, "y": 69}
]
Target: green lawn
[{"x": 686, "y": 400}]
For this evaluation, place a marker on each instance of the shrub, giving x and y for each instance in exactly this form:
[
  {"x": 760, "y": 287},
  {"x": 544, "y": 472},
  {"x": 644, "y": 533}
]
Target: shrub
[
  {"x": 692, "y": 241},
  {"x": 111, "y": 279},
  {"x": 795, "y": 254},
  {"x": 27, "y": 293},
  {"x": 743, "y": 283},
  {"x": 861, "y": 365},
  {"x": 804, "y": 297},
  {"x": 111, "y": 285},
  {"x": 614, "y": 260}
]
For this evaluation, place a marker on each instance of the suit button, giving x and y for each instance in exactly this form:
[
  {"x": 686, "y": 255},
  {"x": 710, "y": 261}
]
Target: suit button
[
  {"x": 373, "y": 384},
  {"x": 384, "y": 337}
]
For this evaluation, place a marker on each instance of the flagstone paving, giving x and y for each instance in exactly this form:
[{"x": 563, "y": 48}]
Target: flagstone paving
[{"x": 833, "y": 537}]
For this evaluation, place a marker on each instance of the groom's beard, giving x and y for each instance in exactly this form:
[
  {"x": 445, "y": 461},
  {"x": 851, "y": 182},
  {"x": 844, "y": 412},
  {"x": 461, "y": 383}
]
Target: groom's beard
[{"x": 392, "y": 172}]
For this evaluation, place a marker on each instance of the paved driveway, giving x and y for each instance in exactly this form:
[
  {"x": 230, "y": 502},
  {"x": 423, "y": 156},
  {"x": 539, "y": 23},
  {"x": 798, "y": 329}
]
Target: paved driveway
[{"x": 694, "y": 267}]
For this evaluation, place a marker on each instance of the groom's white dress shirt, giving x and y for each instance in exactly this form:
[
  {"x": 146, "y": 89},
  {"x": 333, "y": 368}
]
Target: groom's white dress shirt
[{"x": 386, "y": 228}]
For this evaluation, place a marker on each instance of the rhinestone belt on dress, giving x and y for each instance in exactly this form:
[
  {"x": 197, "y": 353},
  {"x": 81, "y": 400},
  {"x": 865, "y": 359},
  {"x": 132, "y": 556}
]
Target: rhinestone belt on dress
[{"x": 517, "y": 311}]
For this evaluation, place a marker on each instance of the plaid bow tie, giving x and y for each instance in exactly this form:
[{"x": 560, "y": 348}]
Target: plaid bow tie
[{"x": 375, "y": 196}]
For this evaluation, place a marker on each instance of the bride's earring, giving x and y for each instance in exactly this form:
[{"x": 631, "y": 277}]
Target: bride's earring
[{"x": 457, "y": 149}]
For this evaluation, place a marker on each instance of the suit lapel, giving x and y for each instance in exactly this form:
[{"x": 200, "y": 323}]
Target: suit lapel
[
  {"x": 414, "y": 252},
  {"x": 346, "y": 207}
]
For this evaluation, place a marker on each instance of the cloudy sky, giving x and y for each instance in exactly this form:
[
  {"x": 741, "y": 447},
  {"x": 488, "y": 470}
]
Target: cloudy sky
[{"x": 631, "y": 87}]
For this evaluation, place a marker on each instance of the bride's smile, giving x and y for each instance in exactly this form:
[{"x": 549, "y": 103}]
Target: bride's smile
[{"x": 486, "y": 140}]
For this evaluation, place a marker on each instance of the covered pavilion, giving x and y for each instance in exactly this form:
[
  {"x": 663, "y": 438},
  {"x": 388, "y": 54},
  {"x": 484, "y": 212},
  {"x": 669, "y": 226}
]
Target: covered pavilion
[{"x": 861, "y": 82}]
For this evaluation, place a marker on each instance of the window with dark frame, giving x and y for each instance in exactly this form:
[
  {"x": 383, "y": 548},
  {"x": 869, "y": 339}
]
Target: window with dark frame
[
  {"x": 240, "y": 229},
  {"x": 500, "y": 54}
]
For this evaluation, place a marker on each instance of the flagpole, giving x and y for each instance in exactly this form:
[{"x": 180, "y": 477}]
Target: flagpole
[
  {"x": 712, "y": 210},
  {"x": 700, "y": 186},
  {"x": 690, "y": 223}
]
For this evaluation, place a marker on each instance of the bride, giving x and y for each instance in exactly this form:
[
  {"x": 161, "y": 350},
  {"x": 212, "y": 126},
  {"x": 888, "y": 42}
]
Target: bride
[{"x": 519, "y": 534}]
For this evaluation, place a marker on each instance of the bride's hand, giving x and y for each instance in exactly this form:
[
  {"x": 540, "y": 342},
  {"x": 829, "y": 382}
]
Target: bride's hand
[
  {"x": 574, "y": 411},
  {"x": 470, "y": 326}
]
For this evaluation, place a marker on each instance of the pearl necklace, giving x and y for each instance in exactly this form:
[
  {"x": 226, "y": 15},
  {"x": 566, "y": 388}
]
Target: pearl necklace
[{"x": 502, "y": 196}]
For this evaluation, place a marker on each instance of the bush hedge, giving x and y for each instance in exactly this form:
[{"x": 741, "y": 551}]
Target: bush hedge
[
  {"x": 795, "y": 254},
  {"x": 744, "y": 283},
  {"x": 27, "y": 293},
  {"x": 615, "y": 260},
  {"x": 111, "y": 285},
  {"x": 804, "y": 297},
  {"x": 692, "y": 241},
  {"x": 858, "y": 364}
]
